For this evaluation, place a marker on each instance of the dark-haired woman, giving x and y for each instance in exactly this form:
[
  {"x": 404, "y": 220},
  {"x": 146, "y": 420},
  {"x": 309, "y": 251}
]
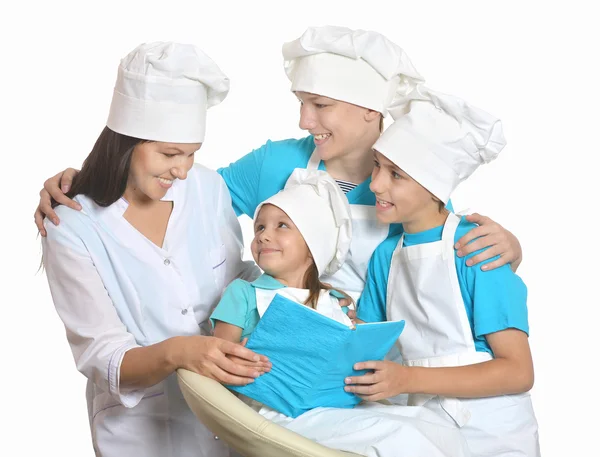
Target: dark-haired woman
[{"x": 136, "y": 273}]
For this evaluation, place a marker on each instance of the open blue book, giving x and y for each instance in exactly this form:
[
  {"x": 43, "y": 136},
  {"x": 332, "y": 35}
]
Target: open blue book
[{"x": 312, "y": 355}]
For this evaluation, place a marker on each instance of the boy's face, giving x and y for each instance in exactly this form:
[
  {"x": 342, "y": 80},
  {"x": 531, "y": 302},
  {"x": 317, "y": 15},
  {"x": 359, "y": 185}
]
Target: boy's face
[
  {"x": 339, "y": 128},
  {"x": 400, "y": 199},
  {"x": 278, "y": 247}
]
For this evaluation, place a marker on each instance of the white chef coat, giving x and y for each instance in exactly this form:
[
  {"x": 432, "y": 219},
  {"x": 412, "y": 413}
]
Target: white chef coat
[{"x": 115, "y": 290}]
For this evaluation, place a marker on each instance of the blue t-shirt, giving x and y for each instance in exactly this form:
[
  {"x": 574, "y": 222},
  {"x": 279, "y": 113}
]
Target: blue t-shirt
[
  {"x": 238, "y": 303},
  {"x": 263, "y": 172},
  {"x": 494, "y": 300}
]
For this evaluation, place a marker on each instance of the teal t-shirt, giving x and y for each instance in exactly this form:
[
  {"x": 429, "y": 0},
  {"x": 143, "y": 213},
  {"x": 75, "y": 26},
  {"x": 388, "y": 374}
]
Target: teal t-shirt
[
  {"x": 238, "y": 303},
  {"x": 494, "y": 300},
  {"x": 262, "y": 173}
]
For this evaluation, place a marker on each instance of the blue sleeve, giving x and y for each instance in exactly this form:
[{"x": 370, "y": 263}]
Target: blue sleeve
[
  {"x": 499, "y": 298},
  {"x": 264, "y": 172},
  {"x": 235, "y": 304},
  {"x": 495, "y": 300},
  {"x": 372, "y": 303},
  {"x": 243, "y": 179}
]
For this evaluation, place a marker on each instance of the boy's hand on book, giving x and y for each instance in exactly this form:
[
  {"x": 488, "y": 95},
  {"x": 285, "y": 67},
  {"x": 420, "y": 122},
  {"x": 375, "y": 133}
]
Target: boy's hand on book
[{"x": 386, "y": 380}]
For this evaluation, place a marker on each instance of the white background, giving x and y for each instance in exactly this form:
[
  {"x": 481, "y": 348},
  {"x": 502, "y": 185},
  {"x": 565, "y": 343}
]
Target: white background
[{"x": 532, "y": 64}]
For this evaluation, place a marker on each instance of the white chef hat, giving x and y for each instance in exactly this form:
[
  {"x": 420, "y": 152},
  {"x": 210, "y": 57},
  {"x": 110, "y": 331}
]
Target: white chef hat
[
  {"x": 318, "y": 207},
  {"x": 440, "y": 140},
  {"x": 355, "y": 66},
  {"x": 162, "y": 92}
]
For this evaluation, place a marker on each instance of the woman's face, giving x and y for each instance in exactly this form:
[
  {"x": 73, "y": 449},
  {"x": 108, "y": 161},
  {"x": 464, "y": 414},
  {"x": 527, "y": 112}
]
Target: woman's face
[
  {"x": 154, "y": 167},
  {"x": 339, "y": 128}
]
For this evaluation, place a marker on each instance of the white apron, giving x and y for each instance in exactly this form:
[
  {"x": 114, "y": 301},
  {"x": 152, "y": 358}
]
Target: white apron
[
  {"x": 327, "y": 305},
  {"x": 370, "y": 429},
  {"x": 367, "y": 234},
  {"x": 423, "y": 289}
]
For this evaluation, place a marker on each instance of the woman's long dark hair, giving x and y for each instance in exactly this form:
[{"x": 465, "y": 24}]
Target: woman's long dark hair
[{"x": 103, "y": 176}]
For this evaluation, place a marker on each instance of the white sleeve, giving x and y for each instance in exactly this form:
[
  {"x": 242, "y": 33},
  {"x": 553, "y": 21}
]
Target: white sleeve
[
  {"x": 97, "y": 337},
  {"x": 231, "y": 234}
]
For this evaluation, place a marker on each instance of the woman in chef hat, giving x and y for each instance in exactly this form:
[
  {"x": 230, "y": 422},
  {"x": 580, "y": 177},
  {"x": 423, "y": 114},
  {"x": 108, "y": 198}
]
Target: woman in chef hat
[
  {"x": 302, "y": 233},
  {"x": 465, "y": 346},
  {"x": 345, "y": 81},
  {"x": 135, "y": 274}
]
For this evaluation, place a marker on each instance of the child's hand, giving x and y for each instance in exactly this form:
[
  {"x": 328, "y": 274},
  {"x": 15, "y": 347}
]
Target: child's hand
[
  {"x": 352, "y": 315},
  {"x": 345, "y": 303},
  {"x": 388, "y": 379},
  {"x": 261, "y": 367}
]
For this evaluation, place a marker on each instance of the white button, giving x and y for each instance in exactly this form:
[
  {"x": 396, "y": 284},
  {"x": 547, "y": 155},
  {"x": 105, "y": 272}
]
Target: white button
[
  {"x": 184, "y": 311},
  {"x": 216, "y": 437},
  {"x": 167, "y": 262}
]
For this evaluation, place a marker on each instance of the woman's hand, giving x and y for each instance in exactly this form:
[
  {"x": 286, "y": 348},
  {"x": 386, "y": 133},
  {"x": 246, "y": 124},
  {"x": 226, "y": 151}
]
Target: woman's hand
[
  {"x": 211, "y": 357},
  {"x": 491, "y": 235},
  {"x": 55, "y": 188},
  {"x": 260, "y": 366}
]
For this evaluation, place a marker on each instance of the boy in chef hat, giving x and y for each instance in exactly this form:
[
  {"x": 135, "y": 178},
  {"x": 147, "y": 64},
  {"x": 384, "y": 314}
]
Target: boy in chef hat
[
  {"x": 346, "y": 80},
  {"x": 361, "y": 67},
  {"x": 465, "y": 346}
]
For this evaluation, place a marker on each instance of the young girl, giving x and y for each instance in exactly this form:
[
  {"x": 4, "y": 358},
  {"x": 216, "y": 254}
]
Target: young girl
[
  {"x": 465, "y": 348},
  {"x": 302, "y": 233}
]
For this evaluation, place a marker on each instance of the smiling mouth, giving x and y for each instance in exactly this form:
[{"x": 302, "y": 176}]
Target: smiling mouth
[
  {"x": 267, "y": 251},
  {"x": 383, "y": 205},
  {"x": 164, "y": 181}
]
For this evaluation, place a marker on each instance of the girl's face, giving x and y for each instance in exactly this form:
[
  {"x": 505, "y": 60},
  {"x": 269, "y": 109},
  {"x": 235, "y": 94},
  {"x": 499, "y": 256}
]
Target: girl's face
[
  {"x": 339, "y": 128},
  {"x": 154, "y": 167},
  {"x": 401, "y": 199},
  {"x": 278, "y": 247}
]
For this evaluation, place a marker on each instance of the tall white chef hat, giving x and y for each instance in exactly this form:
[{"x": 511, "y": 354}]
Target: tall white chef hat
[
  {"x": 162, "y": 92},
  {"x": 440, "y": 140},
  {"x": 355, "y": 66},
  {"x": 318, "y": 207}
]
